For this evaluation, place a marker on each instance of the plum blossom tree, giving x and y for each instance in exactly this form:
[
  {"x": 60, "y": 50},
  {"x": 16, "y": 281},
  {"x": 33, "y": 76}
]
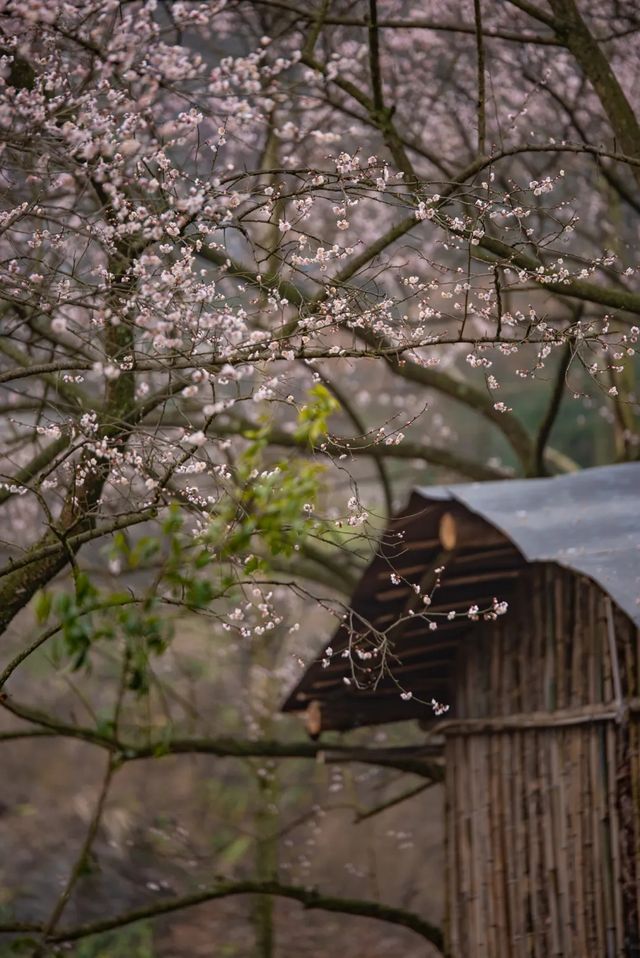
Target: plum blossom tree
[{"x": 260, "y": 264}]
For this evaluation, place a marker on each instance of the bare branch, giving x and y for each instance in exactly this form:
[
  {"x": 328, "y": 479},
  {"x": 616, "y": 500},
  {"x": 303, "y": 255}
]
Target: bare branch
[
  {"x": 310, "y": 898},
  {"x": 481, "y": 101}
]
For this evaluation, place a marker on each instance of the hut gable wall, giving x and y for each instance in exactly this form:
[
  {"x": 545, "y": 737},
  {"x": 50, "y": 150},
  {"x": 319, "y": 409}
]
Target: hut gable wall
[{"x": 543, "y": 778}]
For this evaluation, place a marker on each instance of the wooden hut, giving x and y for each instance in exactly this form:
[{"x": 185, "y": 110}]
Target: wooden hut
[{"x": 542, "y": 737}]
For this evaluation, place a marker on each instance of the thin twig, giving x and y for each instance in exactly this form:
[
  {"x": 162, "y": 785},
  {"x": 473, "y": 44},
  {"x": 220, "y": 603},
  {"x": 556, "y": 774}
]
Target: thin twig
[
  {"x": 374, "y": 57},
  {"x": 392, "y": 802},
  {"x": 552, "y": 411},
  {"x": 84, "y": 852},
  {"x": 113, "y": 763},
  {"x": 481, "y": 101},
  {"x": 361, "y": 427}
]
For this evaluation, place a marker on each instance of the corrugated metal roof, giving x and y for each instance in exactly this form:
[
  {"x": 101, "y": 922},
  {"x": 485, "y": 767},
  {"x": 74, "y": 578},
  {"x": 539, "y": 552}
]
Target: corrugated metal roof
[{"x": 587, "y": 521}]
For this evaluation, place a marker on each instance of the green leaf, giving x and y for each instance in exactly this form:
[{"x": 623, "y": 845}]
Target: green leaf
[
  {"x": 42, "y": 606},
  {"x": 235, "y": 851},
  {"x": 138, "y": 681},
  {"x": 313, "y": 417},
  {"x": 106, "y": 727},
  {"x": 252, "y": 564},
  {"x": 202, "y": 559},
  {"x": 199, "y": 593},
  {"x": 145, "y": 549},
  {"x": 85, "y": 590},
  {"x": 63, "y": 605},
  {"x": 173, "y": 523}
]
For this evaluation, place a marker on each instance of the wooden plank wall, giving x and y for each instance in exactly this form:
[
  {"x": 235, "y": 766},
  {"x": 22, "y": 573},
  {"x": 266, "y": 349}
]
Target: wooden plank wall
[{"x": 543, "y": 823}]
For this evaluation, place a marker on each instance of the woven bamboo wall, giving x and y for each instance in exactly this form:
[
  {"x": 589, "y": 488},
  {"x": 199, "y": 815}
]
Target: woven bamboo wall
[{"x": 543, "y": 779}]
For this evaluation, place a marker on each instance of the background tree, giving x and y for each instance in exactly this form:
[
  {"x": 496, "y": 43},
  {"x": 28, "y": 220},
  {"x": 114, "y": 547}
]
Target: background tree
[{"x": 263, "y": 268}]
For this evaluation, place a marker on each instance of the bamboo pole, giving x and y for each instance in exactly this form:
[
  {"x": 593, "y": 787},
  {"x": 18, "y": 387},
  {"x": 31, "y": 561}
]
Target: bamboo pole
[
  {"x": 583, "y": 715},
  {"x": 452, "y": 918},
  {"x": 556, "y": 743},
  {"x": 476, "y": 756},
  {"x": 509, "y": 841},
  {"x": 631, "y": 638},
  {"x": 521, "y": 940},
  {"x": 500, "y": 923},
  {"x": 549, "y": 851},
  {"x": 576, "y": 772},
  {"x": 468, "y": 927},
  {"x": 532, "y": 791},
  {"x": 598, "y": 862},
  {"x": 614, "y": 839}
]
